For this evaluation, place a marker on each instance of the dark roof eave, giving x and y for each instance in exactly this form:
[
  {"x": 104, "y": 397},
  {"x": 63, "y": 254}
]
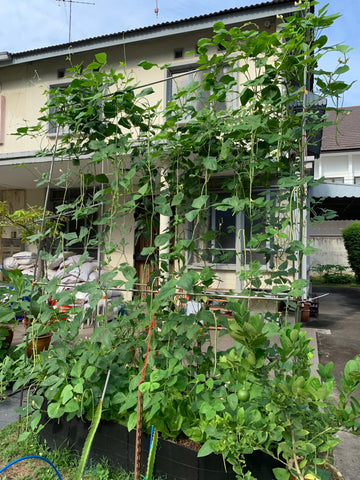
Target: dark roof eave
[
  {"x": 230, "y": 16},
  {"x": 333, "y": 190}
]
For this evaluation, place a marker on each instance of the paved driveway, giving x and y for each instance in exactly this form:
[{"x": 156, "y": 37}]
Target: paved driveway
[
  {"x": 338, "y": 337},
  {"x": 338, "y": 326}
]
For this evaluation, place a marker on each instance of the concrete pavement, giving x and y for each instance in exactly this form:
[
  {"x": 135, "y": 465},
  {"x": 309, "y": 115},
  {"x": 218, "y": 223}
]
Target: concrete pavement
[{"x": 337, "y": 330}]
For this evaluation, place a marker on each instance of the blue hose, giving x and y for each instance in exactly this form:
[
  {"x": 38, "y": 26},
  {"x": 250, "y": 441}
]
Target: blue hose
[{"x": 33, "y": 456}]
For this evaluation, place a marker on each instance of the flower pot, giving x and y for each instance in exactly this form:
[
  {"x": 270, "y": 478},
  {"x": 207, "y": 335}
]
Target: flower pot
[
  {"x": 38, "y": 344},
  {"x": 305, "y": 311}
]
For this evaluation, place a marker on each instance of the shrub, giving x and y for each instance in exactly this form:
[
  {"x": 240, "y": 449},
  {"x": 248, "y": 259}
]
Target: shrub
[
  {"x": 332, "y": 274},
  {"x": 351, "y": 236}
]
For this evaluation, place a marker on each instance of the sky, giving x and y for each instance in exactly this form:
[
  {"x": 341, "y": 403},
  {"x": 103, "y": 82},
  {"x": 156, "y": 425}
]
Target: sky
[{"x": 30, "y": 24}]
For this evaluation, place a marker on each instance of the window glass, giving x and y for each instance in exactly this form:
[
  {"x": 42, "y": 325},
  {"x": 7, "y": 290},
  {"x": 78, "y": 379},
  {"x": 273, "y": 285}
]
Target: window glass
[
  {"x": 224, "y": 244},
  {"x": 180, "y": 78}
]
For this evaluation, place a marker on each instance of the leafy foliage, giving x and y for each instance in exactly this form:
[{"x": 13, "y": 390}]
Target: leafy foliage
[
  {"x": 168, "y": 169},
  {"x": 352, "y": 244}
]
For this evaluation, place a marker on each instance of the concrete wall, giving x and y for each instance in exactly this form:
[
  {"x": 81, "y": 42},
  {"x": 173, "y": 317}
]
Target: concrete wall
[{"x": 328, "y": 239}]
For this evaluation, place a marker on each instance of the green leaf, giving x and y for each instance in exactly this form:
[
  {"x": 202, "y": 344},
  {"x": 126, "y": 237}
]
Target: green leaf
[
  {"x": 162, "y": 239},
  {"x": 200, "y": 201},
  {"x": 132, "y": 421},
  {"x": 79, "y": 387},
  {"x": 191, "y": 215},
  {"x": 66, "y": 393},
  {"x": 186, "y": 282},
  {"x": 101, "y": 178},
  {"x": 49, "y": 381},
  {"x": 89, "y": 371},
  {"x": 35, "y": 420},
  {"x": 147, "y": 251},
  {"x": 199, "y": 388},
  {"x": 210, "y": 163},
  {"x": 76, "y": 370},
  {"x": 218, "y": 27},
  {"x": 24, "y": 436},
  {"x": 164, "y": 210},
  {"x": 145, "y": 92},
  {"x": 146, "y": 65},
  {"x": 101, "y": 57},
  {"x": 233, "y": 401},
  {"x": 210, "y": 383},
  {"x": 281, "y": 473},
  {"x": 54, "y": 410},
  {"x": 177, "y": 199},
  {"x": 206, "y": 449}
]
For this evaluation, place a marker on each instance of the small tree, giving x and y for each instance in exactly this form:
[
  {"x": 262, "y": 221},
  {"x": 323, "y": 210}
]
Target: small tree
[{"x": 351, "y": 236}]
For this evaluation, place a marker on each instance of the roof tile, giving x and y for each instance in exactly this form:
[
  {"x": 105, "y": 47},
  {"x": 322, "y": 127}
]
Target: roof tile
[{"x": 346, "y": 134}]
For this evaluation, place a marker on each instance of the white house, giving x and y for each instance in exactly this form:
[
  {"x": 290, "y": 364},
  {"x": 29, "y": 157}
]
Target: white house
[{"x": 339, "y": 164}]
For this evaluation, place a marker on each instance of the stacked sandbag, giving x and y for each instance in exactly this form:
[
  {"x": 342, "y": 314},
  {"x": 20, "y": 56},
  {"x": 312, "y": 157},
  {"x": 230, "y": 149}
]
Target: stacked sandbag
[
  {"x": 24, "y": 261},
  {"x": 71, "y": 273}
]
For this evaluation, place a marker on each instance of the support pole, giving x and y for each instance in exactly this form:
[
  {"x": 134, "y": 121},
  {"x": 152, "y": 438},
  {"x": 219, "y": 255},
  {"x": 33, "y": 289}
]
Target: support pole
[{"x": 138, "y": 433}]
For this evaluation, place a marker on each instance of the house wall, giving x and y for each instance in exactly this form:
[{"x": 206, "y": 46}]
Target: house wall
[
  {"x": 338, "y": 164},
  {"x": 328, "y": 239}
]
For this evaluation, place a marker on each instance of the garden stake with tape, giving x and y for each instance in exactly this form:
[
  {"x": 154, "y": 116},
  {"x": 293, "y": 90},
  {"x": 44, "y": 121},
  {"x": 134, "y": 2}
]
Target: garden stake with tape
[
  {"x": 140, "y": 409},
  {"x": 90, "y": 437}
]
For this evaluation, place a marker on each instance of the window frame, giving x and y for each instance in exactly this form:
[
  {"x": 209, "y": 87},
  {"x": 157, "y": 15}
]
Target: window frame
[
  {"x": 52, "y": 126},
  {"x": 335, "y": 180},
  {"x": 180, "y": 70},
  {"x": 240, "y": 249}
]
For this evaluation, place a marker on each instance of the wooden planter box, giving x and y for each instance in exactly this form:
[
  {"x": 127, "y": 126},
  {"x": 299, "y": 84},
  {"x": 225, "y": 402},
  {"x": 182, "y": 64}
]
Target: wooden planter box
[{"x": 172, "y": 461}]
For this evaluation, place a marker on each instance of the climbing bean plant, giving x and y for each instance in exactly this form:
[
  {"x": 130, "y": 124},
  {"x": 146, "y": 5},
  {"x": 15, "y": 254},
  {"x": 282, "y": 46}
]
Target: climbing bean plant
[
  {"x": 230, "y": 144},
  {"x": 234, "y": 141}
]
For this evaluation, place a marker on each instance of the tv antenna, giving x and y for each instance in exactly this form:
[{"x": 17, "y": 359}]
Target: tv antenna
[{"x": 70, "y": 2}]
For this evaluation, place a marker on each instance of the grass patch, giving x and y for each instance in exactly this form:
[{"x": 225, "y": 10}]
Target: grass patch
[
  {"x": 64, "y": 460},
  {"x": 342, "y": 282}
]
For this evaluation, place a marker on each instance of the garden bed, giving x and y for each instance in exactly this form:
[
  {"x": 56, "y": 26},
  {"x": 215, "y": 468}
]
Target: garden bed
[{"x": 175, "y": 462}]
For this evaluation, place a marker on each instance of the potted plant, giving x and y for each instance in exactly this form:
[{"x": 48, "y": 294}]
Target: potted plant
[
  {"x": 8, "y": 323},
  {"x": 29, "y": 306},
  {"x": 10, "y": 311}
]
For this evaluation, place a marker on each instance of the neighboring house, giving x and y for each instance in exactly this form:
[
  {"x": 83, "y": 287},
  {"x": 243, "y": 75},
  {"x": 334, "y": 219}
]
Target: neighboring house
[{"x": 339, "y": 164}]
